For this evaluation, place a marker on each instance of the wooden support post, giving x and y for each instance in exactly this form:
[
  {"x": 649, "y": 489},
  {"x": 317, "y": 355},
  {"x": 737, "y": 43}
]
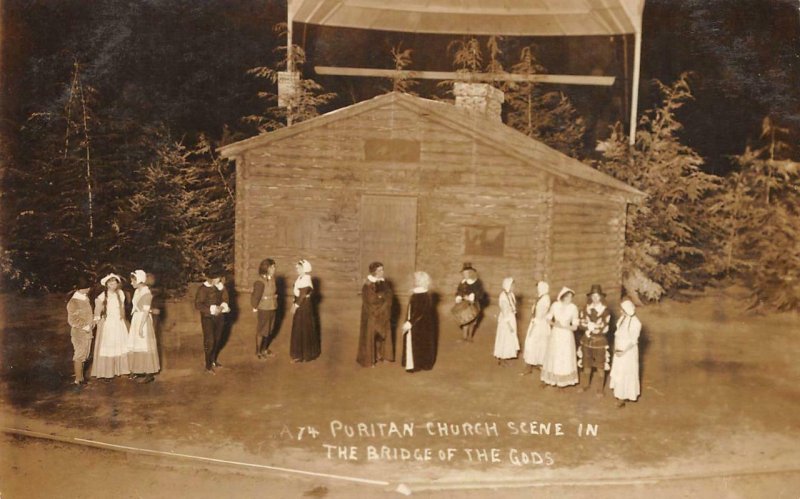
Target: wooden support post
[
  {"x": 289, "y": 56},
  {"x": 637, "y": 56}
]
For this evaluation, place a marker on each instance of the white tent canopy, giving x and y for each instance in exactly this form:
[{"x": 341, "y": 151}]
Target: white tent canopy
[
  {"x": 476, "y": 17},
  {"x": 484, "y": 17}
]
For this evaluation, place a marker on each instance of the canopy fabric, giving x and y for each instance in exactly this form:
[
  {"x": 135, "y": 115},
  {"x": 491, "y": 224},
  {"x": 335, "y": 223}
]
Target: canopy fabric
[{"x": 476, "y": 17}]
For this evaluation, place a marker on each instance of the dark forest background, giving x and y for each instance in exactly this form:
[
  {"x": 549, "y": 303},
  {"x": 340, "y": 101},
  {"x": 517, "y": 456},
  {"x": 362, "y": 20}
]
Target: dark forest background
[{"x": 128, "y": 99}]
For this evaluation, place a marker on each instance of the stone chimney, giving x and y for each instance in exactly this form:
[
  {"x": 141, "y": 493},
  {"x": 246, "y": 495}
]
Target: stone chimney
[{"x": 479, "y": 98}]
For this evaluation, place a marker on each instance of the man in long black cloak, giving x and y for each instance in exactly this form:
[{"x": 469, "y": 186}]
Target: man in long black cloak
[{"x": 376, "y": 344}]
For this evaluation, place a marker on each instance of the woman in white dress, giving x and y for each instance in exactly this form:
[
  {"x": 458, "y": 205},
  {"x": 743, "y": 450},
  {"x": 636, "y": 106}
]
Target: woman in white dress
[
  {"x": 506, "y": 342},
  {"x": 111, "y": 344},
  {"x": 560, "y": 363},
  {"x": 625, "y": 369},
  {"x": 142, "y": 348},
  {"x": 538, "y": 330}
]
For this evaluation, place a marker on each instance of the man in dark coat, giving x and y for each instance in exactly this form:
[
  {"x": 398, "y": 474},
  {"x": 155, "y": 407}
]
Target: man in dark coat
[
  {"x": 211, "y": 301},
  {"x": 470, "y": 290},
  {"x": 264, "y": 301},
  {"x": 375, "y": 342}
]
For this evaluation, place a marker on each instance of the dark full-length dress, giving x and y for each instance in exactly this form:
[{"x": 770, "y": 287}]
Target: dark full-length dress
[
  {"x": 421, "y": 342},
  {"x": 305, "y": 343},
  {"x": 375, "y": 343}
]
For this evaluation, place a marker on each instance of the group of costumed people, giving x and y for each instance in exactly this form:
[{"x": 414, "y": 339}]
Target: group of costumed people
[
  {"x": 123, "y": 349},
  {"x": 120, "y": 347},
  {"x": 211, "y": 301},
  {"x": 549, "y": 342},
  {"x": 305, "y": 344}
]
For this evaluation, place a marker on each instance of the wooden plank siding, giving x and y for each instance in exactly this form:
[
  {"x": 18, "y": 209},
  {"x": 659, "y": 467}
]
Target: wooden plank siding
[
  {"x": 588, "y": 239},
  {"x": 299, "y": 197}
]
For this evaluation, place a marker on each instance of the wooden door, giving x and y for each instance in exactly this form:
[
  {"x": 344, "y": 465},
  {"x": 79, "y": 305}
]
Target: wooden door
[{"x": 389, "y": 235}]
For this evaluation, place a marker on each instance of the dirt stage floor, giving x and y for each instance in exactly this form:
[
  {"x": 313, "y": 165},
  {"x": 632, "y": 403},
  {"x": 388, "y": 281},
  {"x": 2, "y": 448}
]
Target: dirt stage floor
[{"x": 719, "y": 415}]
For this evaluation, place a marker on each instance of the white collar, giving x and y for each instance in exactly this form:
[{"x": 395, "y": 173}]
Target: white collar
[
  {"x": 470, "y": 281},
  {"x": 207, "y": 284},
  {"x": 303, "y": 281},
  {"x": 599, "y": 307},
  {"x": 419, "y": 289},
  {"x": 372, "y": 278},
  {"x": 80, "y": 296}
]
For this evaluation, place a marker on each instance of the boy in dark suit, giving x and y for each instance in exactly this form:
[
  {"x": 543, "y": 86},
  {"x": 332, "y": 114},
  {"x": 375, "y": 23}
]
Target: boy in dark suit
[
  {"x": 264, "y": 301},
  {"x": 211, "y": 301}
]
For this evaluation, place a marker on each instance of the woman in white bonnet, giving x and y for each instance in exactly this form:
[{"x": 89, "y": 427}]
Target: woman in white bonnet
[
  {"x": 305, "y": 341},
  {"x": 560, "y": 364},
  {"x": 420, "y": 331},
  {"x": 143, "y": 350},
  {"x": 111, "y": 344},
  {"x": 625, "y": 368},
  {"x": 538, "y": 330},
  {"x": 506, "y": 342}
]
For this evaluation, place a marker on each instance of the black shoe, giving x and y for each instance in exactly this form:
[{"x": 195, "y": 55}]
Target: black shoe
[
  {"x": 269, "y": 354},
  {"x": 106, "y": 380},
  {"x": 216, "y": 364},
  {"x": 147, "y": 379}
]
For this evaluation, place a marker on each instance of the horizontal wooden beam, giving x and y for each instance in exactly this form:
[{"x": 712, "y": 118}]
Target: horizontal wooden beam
[
  {"x": 440, "y": 8},
  {"x": 452, "y": 75}
]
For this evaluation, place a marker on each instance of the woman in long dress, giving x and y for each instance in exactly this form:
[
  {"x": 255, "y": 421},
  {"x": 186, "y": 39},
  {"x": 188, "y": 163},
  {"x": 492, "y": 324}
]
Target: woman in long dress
[
  {"x": 142, "y": 348},
  {"x": 538, "y": 330},
  {"x": 420, "y": 331},
  {"x": 625, "y": 369},
  {"x": 560, "y": 363},
  {"x": 305, "y": 342},
  {"x": 506, "y": 342},
  {"x": 111, "y": 343}
]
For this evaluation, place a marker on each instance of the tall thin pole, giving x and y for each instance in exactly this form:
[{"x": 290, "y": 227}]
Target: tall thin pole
[
  {"x": 289, "y": 60},
  {"x": 637, "y": 56}
]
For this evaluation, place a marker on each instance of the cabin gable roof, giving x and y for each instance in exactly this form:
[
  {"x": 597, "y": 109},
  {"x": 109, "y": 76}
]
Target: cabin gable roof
[{"x": 503, "y": 138}]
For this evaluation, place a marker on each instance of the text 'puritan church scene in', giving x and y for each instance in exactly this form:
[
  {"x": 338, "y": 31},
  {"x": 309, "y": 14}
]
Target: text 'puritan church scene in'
[{"x": 365, "y": 249}]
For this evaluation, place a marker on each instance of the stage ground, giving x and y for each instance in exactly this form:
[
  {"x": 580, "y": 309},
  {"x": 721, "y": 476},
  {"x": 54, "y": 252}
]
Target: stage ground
[{"x": 720, "y": 399}]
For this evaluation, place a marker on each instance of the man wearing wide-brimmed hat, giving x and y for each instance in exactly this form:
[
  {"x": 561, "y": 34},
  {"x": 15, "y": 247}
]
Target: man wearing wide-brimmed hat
[
  {"x": 593, "y": 356},
  {"x": 470, "y": 291}
]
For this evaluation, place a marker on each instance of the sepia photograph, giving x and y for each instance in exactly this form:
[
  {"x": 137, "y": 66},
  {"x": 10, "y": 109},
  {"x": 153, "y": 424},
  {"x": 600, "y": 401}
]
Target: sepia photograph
[{"x": 368, "y": 249}]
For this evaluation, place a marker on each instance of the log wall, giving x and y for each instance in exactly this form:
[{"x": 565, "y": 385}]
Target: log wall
[{"x": 299, "y": 197}]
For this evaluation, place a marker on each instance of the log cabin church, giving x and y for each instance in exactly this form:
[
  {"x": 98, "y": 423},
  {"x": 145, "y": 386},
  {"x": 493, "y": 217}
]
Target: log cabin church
[{"x": 425, "y": 185}]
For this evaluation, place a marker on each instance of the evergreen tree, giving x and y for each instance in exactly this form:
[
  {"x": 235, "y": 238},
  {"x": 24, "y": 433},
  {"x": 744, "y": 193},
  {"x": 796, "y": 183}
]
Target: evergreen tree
[
  {"x": 210, "y": 183},
  {"x": 762, "y": 208},
  {"x": 546, "y": 116},
  {"x": 467, "y": 56},
  {"x": 158, "y": 236},
  {"x": 402, "y": 59},
  {"x": 305, "y": 101},
  {"x": 50, "y": 213},
  {"x": 672, "y": 236}
]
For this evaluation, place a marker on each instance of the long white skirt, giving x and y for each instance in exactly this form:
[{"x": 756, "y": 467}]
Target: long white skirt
[
  {"x": 143, "y": 351},
  {"x": 560, "y": 363},
  {"x": 506, "y": 342},
  {"x": 536, "y": 342},
  {"x": 111, "y": 348},
  {"x": 625, "y": 375}
]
